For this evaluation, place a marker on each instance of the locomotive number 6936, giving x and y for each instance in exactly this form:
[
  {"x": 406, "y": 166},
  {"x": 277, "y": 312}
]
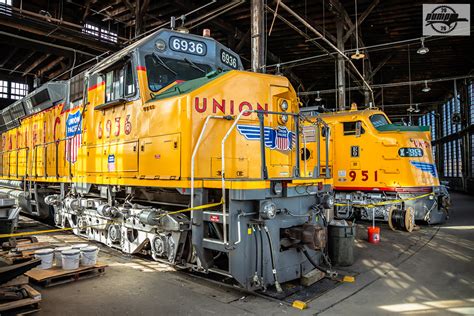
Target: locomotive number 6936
[{"x": 185, "y": 45}]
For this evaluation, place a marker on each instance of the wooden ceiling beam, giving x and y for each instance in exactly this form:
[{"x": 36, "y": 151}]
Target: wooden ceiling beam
[
  {"x": 51, "y": 65},
  {"x": 9, "y": 56},
  {"x": 22, "y": 62},
  {"x": 35, "y": 64},
  {"x": 360, "y": 19}
]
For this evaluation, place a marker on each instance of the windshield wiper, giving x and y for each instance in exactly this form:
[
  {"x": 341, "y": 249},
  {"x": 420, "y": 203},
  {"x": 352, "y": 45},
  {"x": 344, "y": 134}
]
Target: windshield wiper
[
  {"x": 164, "y": 64},
  {"x": 195, "y": 66}
]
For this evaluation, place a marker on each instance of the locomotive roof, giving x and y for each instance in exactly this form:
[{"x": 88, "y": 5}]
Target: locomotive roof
[
  {"x": 213, "y": 49},
  {"x": 314, "y": 111}
]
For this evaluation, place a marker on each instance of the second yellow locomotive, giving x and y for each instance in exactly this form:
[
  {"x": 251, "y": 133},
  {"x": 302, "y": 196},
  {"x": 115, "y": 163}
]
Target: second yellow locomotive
[{"x": 380, "y": 169}]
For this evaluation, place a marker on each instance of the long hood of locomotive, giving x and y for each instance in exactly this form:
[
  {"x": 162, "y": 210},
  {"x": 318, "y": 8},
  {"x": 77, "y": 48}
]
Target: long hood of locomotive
[{"x": 138, "y": 143}]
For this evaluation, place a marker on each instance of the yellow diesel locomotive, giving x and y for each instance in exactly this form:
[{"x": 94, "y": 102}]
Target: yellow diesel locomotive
[
  {"x": 168, "y": 148},
  {"x": 380, "y": 170}
]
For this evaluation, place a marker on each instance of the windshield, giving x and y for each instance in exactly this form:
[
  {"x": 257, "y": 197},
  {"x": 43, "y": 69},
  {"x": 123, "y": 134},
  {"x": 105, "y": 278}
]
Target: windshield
[
  {"x": 163, "y": 71},
  {"x": 379, "y": 120}
]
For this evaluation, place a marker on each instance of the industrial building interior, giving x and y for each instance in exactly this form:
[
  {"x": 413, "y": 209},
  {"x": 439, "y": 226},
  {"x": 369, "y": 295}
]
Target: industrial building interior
[{"x": 338, "y": 55}]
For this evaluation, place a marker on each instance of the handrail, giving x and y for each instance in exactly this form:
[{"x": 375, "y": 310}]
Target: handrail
[
  {"x": 260, "y": 114},
  {"x": 224, "y": 211},
  {"x": 34, "y": 158},
  {"x": 317, "y": 125},
  {"x": 196, "y": 147}
]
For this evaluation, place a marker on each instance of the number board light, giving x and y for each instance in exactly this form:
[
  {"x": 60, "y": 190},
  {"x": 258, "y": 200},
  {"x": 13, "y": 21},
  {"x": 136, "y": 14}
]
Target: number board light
[
  {"x": 188, "y": 46},
  {"x": 410, "y": 152},
  {"x": 229, "y": 59}
]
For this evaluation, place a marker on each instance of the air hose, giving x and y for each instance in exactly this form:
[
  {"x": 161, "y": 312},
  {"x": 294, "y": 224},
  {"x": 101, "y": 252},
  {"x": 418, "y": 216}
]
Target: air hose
[
  {"x": 255, "y": 277},
  {"x": 277, "y": 284},
  {"x": 330, "y": 273}
]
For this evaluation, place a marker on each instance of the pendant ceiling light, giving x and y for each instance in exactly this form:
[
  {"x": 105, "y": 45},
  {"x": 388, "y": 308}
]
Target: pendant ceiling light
[
  {"x": 358, "y": 54},
  {"x": 426, "y": 88},
  {"x": 423, "y": 49},
  {"x": 318, "y": 98}
]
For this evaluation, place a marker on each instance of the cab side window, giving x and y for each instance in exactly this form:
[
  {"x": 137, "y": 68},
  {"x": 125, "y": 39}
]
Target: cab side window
[
  {"x": 119, "y": 82},
  {"x": 351, "y": 128}
]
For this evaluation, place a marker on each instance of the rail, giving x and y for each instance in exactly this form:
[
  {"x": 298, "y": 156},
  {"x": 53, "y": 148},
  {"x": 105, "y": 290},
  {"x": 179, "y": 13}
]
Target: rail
[
  {"x": 31, "y": 169},
  {"x": 264, "y": 170},
  {"x": 196, "y": 148},
  {"x": 317, "y": 132}
]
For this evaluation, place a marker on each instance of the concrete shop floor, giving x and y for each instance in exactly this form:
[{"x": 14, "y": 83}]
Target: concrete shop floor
[{"x": 429, "y": 271}]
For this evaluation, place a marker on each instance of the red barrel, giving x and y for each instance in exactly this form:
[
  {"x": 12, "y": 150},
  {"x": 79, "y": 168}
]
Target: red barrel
[{"x": 373, "y": 234}]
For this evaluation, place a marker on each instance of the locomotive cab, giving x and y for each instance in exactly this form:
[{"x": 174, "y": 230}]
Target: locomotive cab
[{"x": 384, "y": 165}]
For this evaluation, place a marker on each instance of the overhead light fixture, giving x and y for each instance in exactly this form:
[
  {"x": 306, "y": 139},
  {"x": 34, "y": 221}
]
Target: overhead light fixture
[
  {"x": 411, "y": 109},
  {"x": 357, "y": 54},
  {"x": 426, "y": 88},
  {"x": 318, "y": 98},
  {"x": 423, "y": 49},
  {"x": 417, "y": 110}
]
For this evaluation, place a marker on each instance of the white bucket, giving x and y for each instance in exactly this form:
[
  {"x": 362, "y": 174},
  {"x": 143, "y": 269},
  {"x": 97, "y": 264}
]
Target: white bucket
[
  {"x": 46, "y": 256},
  {"x": 57, "y": 255},
  {"x": 79, "y": 246},
  {"x": 70, "y": 259},
  {"x": 89, "y": 255}
]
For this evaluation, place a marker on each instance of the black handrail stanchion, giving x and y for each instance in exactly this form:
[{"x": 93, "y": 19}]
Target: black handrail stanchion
[{"x": 262, "y": 145}]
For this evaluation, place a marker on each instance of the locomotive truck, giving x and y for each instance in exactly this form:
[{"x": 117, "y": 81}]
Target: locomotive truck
[{"x": 169, "y": 148}]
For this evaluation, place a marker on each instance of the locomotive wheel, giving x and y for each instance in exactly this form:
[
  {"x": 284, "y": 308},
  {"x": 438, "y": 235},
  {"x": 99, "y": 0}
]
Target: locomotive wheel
[
  {"x": 390, "y": 213},
  {"x": 409, "y": 219}
]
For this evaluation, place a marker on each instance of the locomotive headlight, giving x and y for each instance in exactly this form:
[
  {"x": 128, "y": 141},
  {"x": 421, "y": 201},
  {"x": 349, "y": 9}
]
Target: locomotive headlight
[
  {"x": 284, "y": 105},
  {"x": 284, "y": 118},
  {"x": 268, "y": 210},
  {"x": 278, "y": 187},
  {"x": 160, "y": 45}
]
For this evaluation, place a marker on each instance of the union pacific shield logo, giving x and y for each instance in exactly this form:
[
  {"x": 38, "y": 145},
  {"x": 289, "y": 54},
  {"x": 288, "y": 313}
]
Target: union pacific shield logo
[
  {"x": 73, "y": 135},
  {"x": 280, "y": 138},
  {"x": 425, "y": 167}
]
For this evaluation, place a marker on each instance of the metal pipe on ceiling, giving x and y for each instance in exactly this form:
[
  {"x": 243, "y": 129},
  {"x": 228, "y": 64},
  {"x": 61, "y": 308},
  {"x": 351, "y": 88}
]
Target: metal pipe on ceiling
[
  {"x": 47, "y": 44},
  {"x": 168, "y": 23},
  {"x": 310, "y": 27},
  {"x": 390, "y": 85},
  {"x": 51, "y": 20}
]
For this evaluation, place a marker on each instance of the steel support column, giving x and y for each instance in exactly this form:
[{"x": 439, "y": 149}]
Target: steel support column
[
  {"x": 257, "y": 35},
  {"x": 341, "y": 79}
]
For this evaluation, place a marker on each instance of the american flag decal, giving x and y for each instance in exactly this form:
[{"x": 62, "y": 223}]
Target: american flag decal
[
  {"x": 73, "y": 136},
  {"x": 280, "y": 138}
]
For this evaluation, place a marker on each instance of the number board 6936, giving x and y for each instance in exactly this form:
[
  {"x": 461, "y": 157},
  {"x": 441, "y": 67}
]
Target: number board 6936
[
  {"x": 188, "y": 46},
  {"x": 229, "y": 59}
]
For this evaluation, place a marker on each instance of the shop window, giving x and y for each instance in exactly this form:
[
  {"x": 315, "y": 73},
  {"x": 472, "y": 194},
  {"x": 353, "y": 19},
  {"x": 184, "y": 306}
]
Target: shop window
[
  {"x": 6, "y": 7},
  {"x": 18, "y": 90},
  {"x": 100, "y": 33},
  {"x": 3, "y": 89}
]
